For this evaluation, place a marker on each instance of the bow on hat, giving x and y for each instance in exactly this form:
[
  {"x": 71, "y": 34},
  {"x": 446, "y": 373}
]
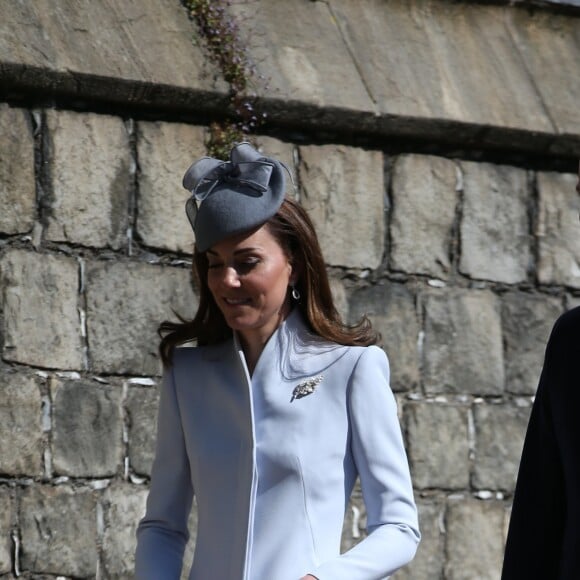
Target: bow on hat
[
  {"x": 246, "y": 166},
  {"x": 228, "y": 197}
]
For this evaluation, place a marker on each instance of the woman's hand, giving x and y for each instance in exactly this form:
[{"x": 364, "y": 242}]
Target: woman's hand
[{"x": 309, "y": 577}]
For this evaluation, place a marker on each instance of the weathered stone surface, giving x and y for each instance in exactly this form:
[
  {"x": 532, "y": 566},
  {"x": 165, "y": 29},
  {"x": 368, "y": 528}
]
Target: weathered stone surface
[
  {"x": 499, "y": 439},
  {"x": 20, "y": 425},
  {"x": 438, "y": 445},
  {"x": 142, "y": 406},
  {"x": 299, "y": 49},
  {"x": 559, "y": 238},
  {"x": 424, "y": 200},
  {"x": 126, "y": 301},
  {"x": 90, "y": 177},
  {"x": 58, "y": 531},
  {"x": 124, "y": 506},
  {"x": 495, "y": 240},
  {"x": 146, "y": 40},
  {"x": 6, "y": 523},
  {"x": 391, "y": 308},
  {"x": 17, "y": 186},
  {"x": 474, "y": 539},
  {"x": 548, "y": 44},
  {"x": 87, "y": 428},
  {"x": 405, "y": 60},
  {"x": 343, "y": 191},
  {"x": 527, "y": 320},
  {"x": 429, "y": 560},
  {"x": 41, "y": 321},
  {"x": 463, "y": 344},
  {"x": 408, "y": 57},
  {"x": 165, "y": 152}
]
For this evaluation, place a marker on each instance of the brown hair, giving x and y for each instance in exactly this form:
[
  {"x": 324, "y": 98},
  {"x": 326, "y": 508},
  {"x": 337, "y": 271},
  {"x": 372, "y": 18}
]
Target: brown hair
[{"x": 295, "y": 233}]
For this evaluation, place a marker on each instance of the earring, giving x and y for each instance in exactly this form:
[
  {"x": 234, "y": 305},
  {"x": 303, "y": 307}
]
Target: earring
[{"x": 295, "y": 293}]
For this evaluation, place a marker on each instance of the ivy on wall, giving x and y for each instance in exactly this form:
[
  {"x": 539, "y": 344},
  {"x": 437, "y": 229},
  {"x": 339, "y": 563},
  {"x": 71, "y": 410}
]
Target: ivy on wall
[{"x": 221, "y": 35}]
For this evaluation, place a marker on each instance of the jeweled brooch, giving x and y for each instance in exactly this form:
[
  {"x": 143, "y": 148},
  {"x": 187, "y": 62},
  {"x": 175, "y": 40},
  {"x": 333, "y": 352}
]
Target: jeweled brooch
[{"x": 306, "y": 388}]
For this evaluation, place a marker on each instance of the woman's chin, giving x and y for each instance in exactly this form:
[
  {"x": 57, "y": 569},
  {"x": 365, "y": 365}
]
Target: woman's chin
[{"x": 240, "y": 323}]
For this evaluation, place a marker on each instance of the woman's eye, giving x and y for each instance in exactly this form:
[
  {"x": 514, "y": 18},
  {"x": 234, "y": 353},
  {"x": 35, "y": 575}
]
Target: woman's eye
[
  {"x": 214, "y": 265},
  {"x": 246, "y": 266}
]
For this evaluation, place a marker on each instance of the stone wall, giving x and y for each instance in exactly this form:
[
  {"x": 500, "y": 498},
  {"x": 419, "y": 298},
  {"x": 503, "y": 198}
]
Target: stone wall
[{"x": 463, "y": 253}]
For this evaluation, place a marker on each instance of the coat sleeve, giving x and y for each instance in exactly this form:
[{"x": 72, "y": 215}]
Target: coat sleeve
[
  {"x": 379, "y": 454},
  {"x": 162, "y": 534},
  {"x": 534, "y": 541}
]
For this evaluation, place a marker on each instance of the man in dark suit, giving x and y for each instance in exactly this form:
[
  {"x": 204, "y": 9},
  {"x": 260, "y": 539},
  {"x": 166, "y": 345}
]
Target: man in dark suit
[{"x": 544, "y": 533}]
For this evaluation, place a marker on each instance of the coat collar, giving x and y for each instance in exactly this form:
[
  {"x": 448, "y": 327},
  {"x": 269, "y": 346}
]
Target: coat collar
[{"x": 297, "y": 350}]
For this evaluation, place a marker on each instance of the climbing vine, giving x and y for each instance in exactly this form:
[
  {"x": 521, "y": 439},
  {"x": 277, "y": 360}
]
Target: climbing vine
[{"x": 221, "y": 35}]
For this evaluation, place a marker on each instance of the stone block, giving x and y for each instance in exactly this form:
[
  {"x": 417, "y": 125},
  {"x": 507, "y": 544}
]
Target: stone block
[
  {"x": 527, "y": 320},
  {"x": 438, "y": 445},
  {"x": 429, "y": 560},
  {"x": 436, "y": 60},
  {"x": 126, "y": 301},
  {"x": 495, "y": 239},
  {"x": 557, "y": 230},
  {"x": 424, "y": 196},
  {"x": 165, "y": 152},
  {"x": 87, "y": 428},
  {"x": 299, "y": 49},
  {"x": 7, "y": 521},
  {"x": 474, "y": 539},
  {"x": 17, "y": 184},
  {"x": 391, "y": 308},
  {"x": 343, "y": 191},
  {"x": 462, "y": 350},
  {"x": 20, "y": 424},
  {"x": 147, "y": 41},
  {"x": 40, "y": 301},
  {"x": 548, "y": 44},
  {"x": 142, "y": 404},
  {"x": 58, "y": 528},
  {"x": 499, "y": 440},
  {"x": 123, "y": 508},
  {"x": 90, "y": 179}
]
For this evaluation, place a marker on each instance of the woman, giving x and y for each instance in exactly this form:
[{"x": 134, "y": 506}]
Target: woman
[{"x": 279, "y": 408}]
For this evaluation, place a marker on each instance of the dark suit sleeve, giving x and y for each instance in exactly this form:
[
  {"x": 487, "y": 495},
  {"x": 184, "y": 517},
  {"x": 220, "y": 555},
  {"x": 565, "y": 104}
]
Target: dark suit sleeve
[{"x": 538, "y": 519}]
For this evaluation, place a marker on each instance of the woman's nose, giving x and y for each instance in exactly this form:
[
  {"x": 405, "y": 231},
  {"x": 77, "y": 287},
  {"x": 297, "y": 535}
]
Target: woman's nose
[{"x": 231, "y": 277}]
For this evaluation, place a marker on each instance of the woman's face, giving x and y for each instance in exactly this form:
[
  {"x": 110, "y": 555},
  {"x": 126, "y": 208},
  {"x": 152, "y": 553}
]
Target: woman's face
[{"x": 248, "y": 276}]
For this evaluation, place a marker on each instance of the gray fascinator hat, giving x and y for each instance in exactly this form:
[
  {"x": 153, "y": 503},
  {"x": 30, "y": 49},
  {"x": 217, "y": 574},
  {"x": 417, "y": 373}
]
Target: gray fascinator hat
[{"x": 231, "y": 197}]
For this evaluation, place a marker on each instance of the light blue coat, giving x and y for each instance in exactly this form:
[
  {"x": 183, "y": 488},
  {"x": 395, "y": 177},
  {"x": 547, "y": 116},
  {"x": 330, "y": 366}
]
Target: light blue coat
[{"x": 273, "y": 472}]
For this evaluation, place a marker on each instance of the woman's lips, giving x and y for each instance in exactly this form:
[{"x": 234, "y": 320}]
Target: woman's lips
[{"x": 236, "y": 301}]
